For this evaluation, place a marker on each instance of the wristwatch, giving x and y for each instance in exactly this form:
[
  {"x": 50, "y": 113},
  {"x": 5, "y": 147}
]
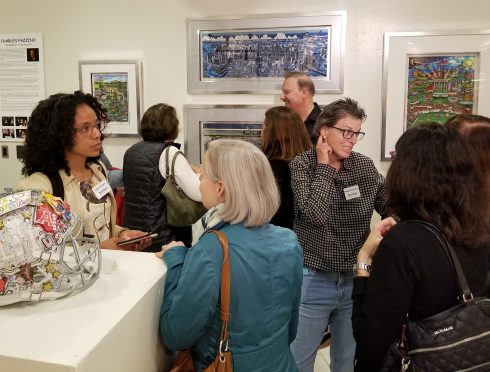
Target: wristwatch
[{"x": 361, "y": 266}]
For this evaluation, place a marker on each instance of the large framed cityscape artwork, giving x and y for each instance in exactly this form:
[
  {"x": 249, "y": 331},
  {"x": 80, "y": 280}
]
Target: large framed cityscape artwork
[
  {"x": 432, "y": 76},
  {"x": 251, "y": 54},
  {"x": 116, "y": 85}
]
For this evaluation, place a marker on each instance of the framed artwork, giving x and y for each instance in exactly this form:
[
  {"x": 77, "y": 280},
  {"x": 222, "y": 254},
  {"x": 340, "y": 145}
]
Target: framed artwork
[
  {"x": 20, "y": 149},
  {"x": 432, "y": 76},
  {"x": 116, "y": 85},
  {"x": 205, "y": 123},
  {"x": 251, "y": 54}
]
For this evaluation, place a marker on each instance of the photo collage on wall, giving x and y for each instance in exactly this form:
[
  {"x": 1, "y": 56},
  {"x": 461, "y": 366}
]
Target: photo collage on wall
[{"x": 14, "y": 127}]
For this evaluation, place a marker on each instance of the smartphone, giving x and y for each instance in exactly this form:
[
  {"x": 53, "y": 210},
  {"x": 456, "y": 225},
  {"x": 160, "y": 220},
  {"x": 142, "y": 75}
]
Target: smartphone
[{"x": 134, "y": 240}]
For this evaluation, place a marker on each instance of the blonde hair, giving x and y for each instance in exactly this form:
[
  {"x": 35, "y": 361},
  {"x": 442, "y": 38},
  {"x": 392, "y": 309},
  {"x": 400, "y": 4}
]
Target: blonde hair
[{"x": 251, "y": 194}]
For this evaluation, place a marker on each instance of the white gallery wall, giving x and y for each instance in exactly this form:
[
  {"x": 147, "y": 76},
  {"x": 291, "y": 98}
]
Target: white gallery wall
[{"x": 154, "y": 31}]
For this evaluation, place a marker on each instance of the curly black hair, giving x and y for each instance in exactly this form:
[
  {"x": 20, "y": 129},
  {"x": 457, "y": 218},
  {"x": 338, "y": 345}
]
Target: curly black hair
[{"x": 50, "y": 131}]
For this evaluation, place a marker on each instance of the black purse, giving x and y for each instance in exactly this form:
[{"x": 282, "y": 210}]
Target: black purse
[{"x": 457, "y": 339}]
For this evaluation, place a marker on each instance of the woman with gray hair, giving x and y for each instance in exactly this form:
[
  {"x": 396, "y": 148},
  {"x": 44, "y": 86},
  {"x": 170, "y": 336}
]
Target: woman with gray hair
[
  {"x": 335, "y": 193},
  {"x": 238, "y": 187}
]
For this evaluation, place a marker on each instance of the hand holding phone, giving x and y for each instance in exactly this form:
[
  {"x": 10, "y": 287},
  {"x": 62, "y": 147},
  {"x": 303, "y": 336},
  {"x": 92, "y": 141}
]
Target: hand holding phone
[{"x": 139, "y": 238}]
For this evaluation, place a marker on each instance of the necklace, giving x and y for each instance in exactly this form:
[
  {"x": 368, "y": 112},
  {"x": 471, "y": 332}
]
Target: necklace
[{"x": 83, "y": 176}]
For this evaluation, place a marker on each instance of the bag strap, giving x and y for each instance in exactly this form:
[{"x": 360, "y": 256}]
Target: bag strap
[
  {"x": 173, "y": 160},
  {"x": 172, "y": 168},
  {"x": 466, "y": 295},
  {"x": 166, "y": 161},
  {"x": 56, "y": 184},
  {"x": 224, "y": 313}
]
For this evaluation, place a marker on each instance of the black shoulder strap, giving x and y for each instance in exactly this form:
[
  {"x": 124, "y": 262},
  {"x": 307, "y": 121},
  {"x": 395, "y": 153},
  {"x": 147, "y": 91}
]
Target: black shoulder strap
[
  {"x": 466, "y": 294},
  {"x": 56, "y": 184}
]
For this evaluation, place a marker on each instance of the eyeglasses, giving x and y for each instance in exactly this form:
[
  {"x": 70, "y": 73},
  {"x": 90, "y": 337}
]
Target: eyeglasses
[
  {"x": 87, "y": 130},
  {"x": 348, "y": 134}
]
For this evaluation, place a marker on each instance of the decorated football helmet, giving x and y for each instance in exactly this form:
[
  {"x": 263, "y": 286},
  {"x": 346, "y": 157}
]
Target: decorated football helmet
[{"x": 43, "y": 255}]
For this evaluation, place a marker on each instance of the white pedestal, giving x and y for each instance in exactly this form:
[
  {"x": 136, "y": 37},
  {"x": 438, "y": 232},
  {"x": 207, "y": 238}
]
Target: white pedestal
[{"x": 111, "y": 326}]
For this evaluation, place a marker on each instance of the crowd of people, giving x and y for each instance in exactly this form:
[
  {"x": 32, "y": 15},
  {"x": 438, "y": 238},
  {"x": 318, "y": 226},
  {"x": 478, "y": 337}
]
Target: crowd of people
[{"x": 297, "y": 214}]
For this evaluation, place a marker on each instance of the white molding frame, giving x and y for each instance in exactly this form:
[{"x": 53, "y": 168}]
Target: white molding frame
[
  {"x": 130, "y": 70},
  {"x": 399, "y": 45}
]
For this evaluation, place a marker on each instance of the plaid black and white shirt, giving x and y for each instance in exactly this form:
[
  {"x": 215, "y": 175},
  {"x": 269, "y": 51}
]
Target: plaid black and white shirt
[{"x": 330, "y": 228}]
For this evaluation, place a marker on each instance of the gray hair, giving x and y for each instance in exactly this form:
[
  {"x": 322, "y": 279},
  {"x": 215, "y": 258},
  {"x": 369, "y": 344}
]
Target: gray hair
[
  {"x": 337, "y": 110},
  {"x": 251, "y": 194}
]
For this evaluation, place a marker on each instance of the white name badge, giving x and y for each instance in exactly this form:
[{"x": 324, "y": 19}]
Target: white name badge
[
  {"x": 352, "y": 192},
  {"x": 101, "y": 189}
]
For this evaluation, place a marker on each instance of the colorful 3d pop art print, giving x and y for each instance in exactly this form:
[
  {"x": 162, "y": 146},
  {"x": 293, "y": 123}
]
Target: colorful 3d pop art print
[
  {"x": 432, "y": 76},
  {"x": 111, "y": 89},
  {"x": 116, "y": 85},
  {"x": 439, "y": 87},
  {"x": 251, "y": 54}
]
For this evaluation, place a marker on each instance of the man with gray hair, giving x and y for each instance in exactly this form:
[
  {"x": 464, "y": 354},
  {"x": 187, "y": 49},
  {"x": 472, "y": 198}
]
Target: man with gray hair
[{"x": 297, "y": 93}]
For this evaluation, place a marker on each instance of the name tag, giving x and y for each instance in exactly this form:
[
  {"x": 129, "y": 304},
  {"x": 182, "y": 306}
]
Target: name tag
[
  {"x": 352, "y": 192},
  {"x": 101, "y": 189}
]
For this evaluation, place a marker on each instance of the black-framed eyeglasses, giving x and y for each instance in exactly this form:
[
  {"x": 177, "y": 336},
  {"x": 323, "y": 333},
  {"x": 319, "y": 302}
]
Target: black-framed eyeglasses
[
  {"x": 87, "y": 129},
  {"x": 348, "y": 134}
]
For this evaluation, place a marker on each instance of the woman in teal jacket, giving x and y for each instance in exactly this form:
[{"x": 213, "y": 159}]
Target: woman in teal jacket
[{"x": 238, "y": 187}]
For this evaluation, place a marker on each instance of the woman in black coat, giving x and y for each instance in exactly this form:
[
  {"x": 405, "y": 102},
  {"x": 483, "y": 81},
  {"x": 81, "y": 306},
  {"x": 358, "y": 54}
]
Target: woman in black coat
[
  {"x": 284, "y": 136},
  {"x": 435, "y": 178}
]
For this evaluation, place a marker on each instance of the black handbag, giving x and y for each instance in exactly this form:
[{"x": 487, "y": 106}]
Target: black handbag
[
  {"x": 457, "y": 339},
  {"x": 181, "y": 210}
]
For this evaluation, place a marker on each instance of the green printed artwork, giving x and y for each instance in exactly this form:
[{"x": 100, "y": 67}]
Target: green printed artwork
[
  {"x": 111, "y": 89},
  {"x": 440, "y": 86}
]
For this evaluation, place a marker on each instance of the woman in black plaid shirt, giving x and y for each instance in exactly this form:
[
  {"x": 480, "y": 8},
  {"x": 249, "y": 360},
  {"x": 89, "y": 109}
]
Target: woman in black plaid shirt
[{"x": 335, "y": 191}]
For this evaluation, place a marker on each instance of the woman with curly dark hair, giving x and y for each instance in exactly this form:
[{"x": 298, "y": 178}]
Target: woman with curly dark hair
[
  {"x": 63, "y": 143},
  {"x": 434, "y": 178}
]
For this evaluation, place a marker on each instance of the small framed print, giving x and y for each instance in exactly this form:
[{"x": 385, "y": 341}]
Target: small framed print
[{"x": 117, "y": 86}]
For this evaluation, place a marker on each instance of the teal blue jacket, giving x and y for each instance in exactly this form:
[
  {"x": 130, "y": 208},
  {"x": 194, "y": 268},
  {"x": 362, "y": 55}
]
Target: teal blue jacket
[{"x": 266, "y": 275}]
